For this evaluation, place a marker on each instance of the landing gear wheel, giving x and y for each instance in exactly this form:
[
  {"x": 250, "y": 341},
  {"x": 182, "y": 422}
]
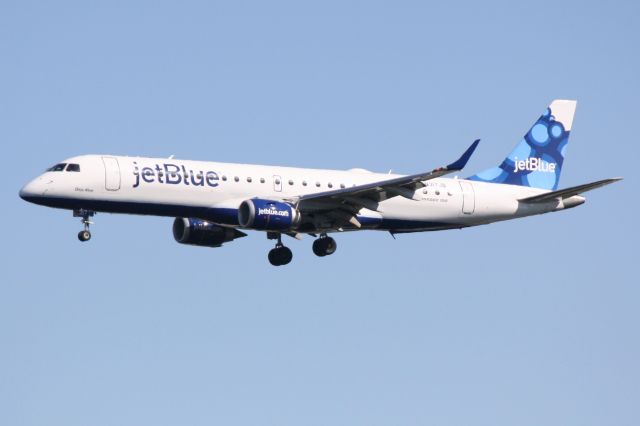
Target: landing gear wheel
[
  {"x": 285, "y": 255},
  {"x": 273, "y": 257},
  {"x": 84, "y": 235},
  {"x": 324, "y": 246},
  {"x": 331, "y": 246},
  {"x": 318, "y": 247},
  {"x": 280, "y": 256}
]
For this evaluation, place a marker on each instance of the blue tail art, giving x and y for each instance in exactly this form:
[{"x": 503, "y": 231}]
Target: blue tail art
[{"x": 536, "y": 161}]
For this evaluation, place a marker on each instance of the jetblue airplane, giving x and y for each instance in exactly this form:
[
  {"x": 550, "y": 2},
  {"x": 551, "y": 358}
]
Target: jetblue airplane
[{"x": 214, "y": 202}]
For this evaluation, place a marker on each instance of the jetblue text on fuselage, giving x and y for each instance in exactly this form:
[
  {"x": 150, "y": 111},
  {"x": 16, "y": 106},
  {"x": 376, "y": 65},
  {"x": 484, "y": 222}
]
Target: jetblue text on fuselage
[{"x": 173, "y": 174}]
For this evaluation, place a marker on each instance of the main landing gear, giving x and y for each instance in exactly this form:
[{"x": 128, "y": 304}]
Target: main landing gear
[
  {"x": 324, "y": 246},
  {"x": 86, "y": 215},
  {"x": 280, "y": 255}
]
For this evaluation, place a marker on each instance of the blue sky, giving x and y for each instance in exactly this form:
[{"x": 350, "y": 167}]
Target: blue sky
[{"x": 527, "y": 322}]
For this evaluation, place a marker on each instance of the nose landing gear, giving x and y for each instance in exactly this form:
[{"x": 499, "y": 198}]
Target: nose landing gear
[
  {"x": 280, "y": 255},
  {"x": 324, "y": 246},
  {"x": 86, "y": 215}
]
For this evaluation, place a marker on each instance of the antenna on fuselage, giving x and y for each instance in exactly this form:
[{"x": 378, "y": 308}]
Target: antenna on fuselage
[{"x": 171, "y": 157}]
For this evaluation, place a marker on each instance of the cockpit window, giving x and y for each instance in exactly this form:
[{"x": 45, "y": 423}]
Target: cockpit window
[
  {"x": 72, "y": 167},
  {"x": 57, "y": 167}
]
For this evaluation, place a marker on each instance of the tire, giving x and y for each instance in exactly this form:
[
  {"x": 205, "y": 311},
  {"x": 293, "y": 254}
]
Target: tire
[
  {"x": 319, "y": 248},
  {"x": 280, "y": 256},
  {"x": 324, "y": 246},
  {"x": 285, "y": 255},
  {"x": 84, "y": 236},
  {"x": 331, "y": 246},
  {"x": 273, "y": 257}
]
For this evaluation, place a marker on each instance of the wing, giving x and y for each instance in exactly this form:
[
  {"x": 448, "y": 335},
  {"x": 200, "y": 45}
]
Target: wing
[
  {"x": 568, "y": 192},
  {"x": 343, "y": 204}
]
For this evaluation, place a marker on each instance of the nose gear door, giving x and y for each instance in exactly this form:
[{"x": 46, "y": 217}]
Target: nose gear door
[{"x": 111, "y": 173}]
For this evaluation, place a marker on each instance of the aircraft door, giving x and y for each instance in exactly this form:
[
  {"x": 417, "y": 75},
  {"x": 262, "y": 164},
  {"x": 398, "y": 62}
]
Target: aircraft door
[
  {"x": 277, "y": 183},
  {"x": 111, "y": 173},
  {"x": 468, "y": 197}
]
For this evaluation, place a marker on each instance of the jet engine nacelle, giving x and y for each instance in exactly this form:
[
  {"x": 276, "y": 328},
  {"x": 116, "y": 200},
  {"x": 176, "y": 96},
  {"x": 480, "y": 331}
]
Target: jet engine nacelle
[
  {"x": 199, "y": 232},
  {"x": 267, "y": 215}
]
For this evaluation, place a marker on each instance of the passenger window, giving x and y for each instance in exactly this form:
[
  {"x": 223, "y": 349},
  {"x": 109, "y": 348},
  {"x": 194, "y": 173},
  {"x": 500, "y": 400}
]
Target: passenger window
[
  {"x": 318, "y": 184},
  {"x": 261, "y": 180},
  {"x": 249, "y": 179},
  {"x": 304, "y": 183},
  {"x": 236, "y": 178},
  {"x": 330, "y": 185},
  {"x": 72, "y": 167},
  {"x": 342, "y": 185},
  {"x": 290, "y": 182},
  {"x": 224, "y": 178}
]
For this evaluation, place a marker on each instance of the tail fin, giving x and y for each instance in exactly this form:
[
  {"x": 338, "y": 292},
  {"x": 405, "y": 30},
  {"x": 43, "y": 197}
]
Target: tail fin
[{"x": 536, "y": 160}]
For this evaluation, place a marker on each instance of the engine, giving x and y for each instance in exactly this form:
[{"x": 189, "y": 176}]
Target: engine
[
  {"x": 199, "y": 232},
  {"x": 267, "y": 215}
]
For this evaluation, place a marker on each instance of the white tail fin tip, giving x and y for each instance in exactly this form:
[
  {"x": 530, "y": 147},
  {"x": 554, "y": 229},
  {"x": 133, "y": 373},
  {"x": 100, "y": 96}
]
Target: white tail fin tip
[{"x": 563, "y": 111}]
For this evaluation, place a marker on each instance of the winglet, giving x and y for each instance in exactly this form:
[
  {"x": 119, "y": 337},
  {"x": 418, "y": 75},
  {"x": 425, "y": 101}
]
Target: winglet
[{"x": 462, "y": 161}]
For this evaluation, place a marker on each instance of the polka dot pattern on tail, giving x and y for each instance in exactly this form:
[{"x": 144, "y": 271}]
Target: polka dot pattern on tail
[{"x": 536, "y": 160}]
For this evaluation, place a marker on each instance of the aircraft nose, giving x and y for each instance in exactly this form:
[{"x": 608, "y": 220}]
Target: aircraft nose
[{"x": 31, "y": 190}]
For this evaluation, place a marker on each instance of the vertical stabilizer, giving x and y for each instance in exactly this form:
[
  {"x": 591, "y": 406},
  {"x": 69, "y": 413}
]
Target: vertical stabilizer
[{"x": 537, "y": 159}]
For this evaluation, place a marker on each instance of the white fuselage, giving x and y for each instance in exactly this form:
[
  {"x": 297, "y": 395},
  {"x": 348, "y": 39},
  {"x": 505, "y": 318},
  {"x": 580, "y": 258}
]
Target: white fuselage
[{"x": 214, "y": 191}]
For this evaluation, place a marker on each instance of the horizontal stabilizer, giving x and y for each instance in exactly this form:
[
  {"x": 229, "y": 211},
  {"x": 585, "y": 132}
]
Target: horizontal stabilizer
[{"x": 568, "y": 192}]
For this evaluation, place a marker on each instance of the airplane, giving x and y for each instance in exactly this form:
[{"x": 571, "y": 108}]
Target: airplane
[{"x": 213, "y": 203}]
